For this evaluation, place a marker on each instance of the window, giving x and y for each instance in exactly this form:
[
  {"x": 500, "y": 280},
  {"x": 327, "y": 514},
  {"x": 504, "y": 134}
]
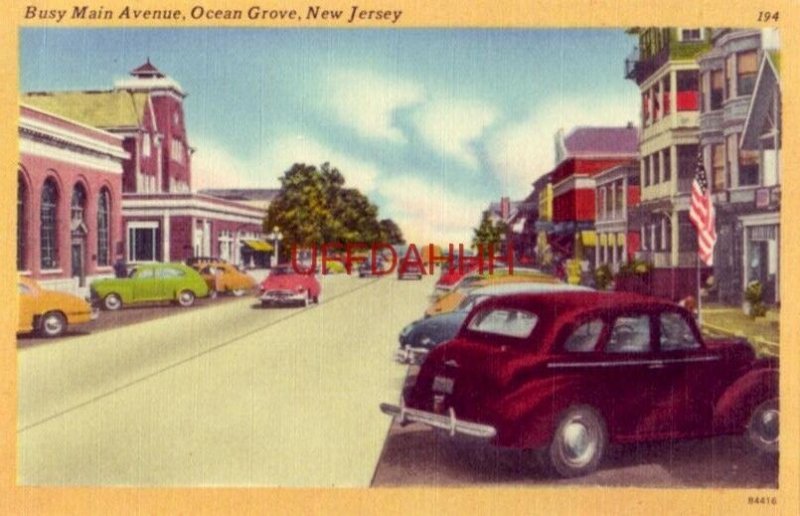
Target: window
[
  {"x": 691, "y": 34},
  {"x": 146, "y": 145},
  {"x": 506, "y": 322},
  {"x": 78, "y": 205},
  {"x": 665, "y": 89},
  {"x": 177, "y": 151},
  {"x": 646, "y": 108},
  {"x": 22, "y": 223},
  {"x": 675, "y": 333},
  {"x": 656, "y": 168},
  {"x": 619, "y": 199},
  {"x": 103, "y": 217},
  {"x": 143, "y": 273},
  {"x": 48, "y": 224},
  {"x": 718, "y": 167},
  {"x": 584, "y": 338},
  {"x": 666, "y": 161},
  {"x": 24, "y": 289},
  {"x": 687, "y": 235},
  {"x": 630, "y": 334},
  {"x": 646, "y": 170},
  {"x": 169, "y": 272},
  {"x": 748, "y": 168},
  {"x": 746, "y": 71},
  {"x": 717, "y": 90},
  {"x": 688, "y": 92},
  {"x": 143, "y": 244}
]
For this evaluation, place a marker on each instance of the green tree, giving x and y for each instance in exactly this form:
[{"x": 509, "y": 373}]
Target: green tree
[
  {"x": 391, "y": 233},
  {"x": 489, "y": 233},
  {"x": 314, "y": 207}
]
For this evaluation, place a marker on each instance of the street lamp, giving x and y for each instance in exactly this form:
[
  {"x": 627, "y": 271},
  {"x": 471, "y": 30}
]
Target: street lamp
[{"x": 276, "y": 236}]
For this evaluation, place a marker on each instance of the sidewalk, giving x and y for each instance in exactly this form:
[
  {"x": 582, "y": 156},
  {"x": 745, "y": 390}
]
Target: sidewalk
[{"x": 762, "y": 332}]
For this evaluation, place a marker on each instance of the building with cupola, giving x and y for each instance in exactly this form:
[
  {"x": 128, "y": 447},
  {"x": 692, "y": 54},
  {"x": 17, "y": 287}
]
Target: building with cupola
[{"x": 156, "y": 215}]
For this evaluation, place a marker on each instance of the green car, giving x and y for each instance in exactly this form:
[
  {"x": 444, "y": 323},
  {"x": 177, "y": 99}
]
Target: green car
[{"x": 149, "y": 283}]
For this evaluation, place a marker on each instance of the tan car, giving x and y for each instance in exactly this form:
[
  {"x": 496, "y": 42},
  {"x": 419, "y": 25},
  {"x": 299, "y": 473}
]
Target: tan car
[
  {"x": 226, "y": 278},
  {"x": 48, "y": 312},
  {"x": 448, "y": 302}
]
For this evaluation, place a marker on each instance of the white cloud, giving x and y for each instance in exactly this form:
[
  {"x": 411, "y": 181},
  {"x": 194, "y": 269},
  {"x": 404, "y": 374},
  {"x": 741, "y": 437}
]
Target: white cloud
[
  {"x": 428, "y": 211},
  {"x": 367, "y": 102},
  {"x": 453, "y": 126},
  {"x": 215, "y": 167},
  {"x": 522, "y": 152}
]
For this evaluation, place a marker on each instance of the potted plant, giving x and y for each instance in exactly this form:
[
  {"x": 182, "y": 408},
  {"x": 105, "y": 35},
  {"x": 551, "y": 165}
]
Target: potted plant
[{"x": 754, "y": 300}]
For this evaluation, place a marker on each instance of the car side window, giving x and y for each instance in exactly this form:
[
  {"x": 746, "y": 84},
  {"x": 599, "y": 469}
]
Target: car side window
[
  {"x": 143, "y": 274},
  {"x": 675, "y": 333},
  {"x": 169, "y": 272},
  {"x": 630, "y": 334},
  {"x": 23, "y": 289},
  {"x": 206, "y": 270},
  {"x": 584, "y": 338}
]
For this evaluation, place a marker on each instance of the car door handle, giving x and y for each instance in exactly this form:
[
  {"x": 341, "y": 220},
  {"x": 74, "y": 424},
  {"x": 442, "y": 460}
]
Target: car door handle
[{"x": 656, "y": 365}]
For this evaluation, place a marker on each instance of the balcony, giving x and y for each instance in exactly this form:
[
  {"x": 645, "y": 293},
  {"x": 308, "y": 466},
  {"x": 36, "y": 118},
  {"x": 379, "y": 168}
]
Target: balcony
[{"x": 639, "y": 69}]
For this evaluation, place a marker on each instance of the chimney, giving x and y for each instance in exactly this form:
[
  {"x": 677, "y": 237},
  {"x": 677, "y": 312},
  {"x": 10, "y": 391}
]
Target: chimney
[{"x": 505, "y": 207}]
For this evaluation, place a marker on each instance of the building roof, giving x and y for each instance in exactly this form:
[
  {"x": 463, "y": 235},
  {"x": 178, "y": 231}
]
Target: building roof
[
  {"x": 147, "y": 70},
  {"x": 243, "y": 194},
  {"x": 602, "y": 141},
  {"x": 110, "y": 109}
]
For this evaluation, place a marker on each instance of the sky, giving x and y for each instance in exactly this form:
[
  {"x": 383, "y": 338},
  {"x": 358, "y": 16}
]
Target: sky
[{"x": 431, "y": 124}]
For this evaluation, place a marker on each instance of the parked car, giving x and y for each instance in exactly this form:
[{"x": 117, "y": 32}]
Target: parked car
[
  {"x": 411, "y": 270},
  {"x": 48, "y": 313},
  {"x": 451, "y": 276},
  {"x": 199, "y": 261},
  {"x": 562, "y": 375},
  {"x": 367, "y": 270},
  {"x": 152, "y": 282},
  {"x": 422, "y": 335},
  {"x": 285, "y": 285},
  {"x": 226, "y": 278},
  {"x": 449, "y": 301}
]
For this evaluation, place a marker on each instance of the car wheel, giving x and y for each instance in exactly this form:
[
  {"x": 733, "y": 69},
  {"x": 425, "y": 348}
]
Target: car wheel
[
  {"x": 52, "y": 324},
  {"x": 317, "y": 299},
  {"x": 764, "y": 427},
  {"x": 112, "y": 302},
  {"x": 579, "y": 442},
  {"x": 186, "y": 298},
  {"x": 238, "y": 292}
]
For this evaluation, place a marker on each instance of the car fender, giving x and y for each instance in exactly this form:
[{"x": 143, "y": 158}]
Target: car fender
[
  {"x": 531, "y": 413},
  {"x": 733, "y": 409}
]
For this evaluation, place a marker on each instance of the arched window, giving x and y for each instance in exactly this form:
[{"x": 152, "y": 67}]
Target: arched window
[
  {"x": 103, "y": 224},
  {"x": 22, "y": 225},
  {"x": 49, "y": 225},
  {"x": 78, "y": 204}
]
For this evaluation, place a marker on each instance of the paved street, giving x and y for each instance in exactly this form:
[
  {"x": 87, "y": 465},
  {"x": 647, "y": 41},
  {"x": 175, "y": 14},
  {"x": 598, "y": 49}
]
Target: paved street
[
  {"x": 230, "y": 394},
  {"x": 225, "y": 394}
]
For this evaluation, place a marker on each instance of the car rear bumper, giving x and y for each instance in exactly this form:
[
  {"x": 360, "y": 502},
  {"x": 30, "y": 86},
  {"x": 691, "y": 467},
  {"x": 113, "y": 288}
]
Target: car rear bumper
[
  {"x": 449, "y": 422},
  {"x": 410, "y": 355},
  {"x": 283, "y": 296}
]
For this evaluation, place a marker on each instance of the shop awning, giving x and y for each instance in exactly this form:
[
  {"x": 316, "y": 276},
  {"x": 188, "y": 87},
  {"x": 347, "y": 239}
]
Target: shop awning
[
  {"x": 603, "y": 239},
  {"x": 621, "y": 239},
  {"x": 258, "y": 245},
  {"x": 588, "y": 238}
]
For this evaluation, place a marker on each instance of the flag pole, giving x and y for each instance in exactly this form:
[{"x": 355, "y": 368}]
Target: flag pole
[{"x": 699, "y": 297}]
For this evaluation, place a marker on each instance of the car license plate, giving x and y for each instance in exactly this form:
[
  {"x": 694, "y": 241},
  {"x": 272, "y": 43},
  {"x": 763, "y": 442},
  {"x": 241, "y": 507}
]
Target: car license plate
[{"x": 443, "y": 384}]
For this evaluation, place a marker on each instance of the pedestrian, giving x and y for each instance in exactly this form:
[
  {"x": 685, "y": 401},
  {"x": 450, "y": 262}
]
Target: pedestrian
[{"x": 120, "y": 268}]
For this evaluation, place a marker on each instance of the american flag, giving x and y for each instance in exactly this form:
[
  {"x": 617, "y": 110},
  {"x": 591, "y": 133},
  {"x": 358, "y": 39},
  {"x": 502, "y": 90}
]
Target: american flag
[{"x": 701, "y": 213}]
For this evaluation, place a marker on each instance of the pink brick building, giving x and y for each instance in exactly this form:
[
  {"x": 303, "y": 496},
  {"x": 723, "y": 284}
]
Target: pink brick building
[{"x": 158, "y": 218}]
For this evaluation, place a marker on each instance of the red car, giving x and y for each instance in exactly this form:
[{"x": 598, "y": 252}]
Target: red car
[
  {"x": 561, "y": 375},
  {"x": 452, "y": 275},
  {"x": 285, "y": 285},
  {"x": 412, "y": 270}
]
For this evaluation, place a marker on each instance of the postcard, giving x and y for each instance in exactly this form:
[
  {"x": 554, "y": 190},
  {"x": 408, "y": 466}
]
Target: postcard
[{"x": 389, "y": 256}]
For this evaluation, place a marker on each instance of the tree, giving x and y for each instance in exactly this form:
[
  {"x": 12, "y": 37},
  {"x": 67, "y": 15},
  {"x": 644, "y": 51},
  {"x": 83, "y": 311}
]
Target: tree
[
  {"x": 314, "y": 207},
  {"x": 391, "y": 233},
  {"x": 489, "y": 233}
]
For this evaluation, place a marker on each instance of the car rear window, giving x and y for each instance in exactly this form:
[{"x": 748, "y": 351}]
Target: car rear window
[{"x": 507, "y": 322}]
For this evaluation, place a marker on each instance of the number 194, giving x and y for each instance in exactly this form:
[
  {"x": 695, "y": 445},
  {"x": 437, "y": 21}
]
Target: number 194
[{"x": 767, "y": 16}]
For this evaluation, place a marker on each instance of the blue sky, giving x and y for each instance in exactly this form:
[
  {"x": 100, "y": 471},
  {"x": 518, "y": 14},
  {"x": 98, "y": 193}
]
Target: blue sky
[{"x": 433, "y": 124}]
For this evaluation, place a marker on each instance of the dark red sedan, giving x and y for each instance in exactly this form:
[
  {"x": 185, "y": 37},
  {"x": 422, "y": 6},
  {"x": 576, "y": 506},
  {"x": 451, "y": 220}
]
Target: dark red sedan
[{"x": 561, "y": 375}]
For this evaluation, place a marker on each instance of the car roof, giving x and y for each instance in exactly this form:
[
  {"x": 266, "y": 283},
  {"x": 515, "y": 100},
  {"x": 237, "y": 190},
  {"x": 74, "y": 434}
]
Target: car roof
[
  {"x": 576, "y": 300},
  {"x": 527, "y": 288}
]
